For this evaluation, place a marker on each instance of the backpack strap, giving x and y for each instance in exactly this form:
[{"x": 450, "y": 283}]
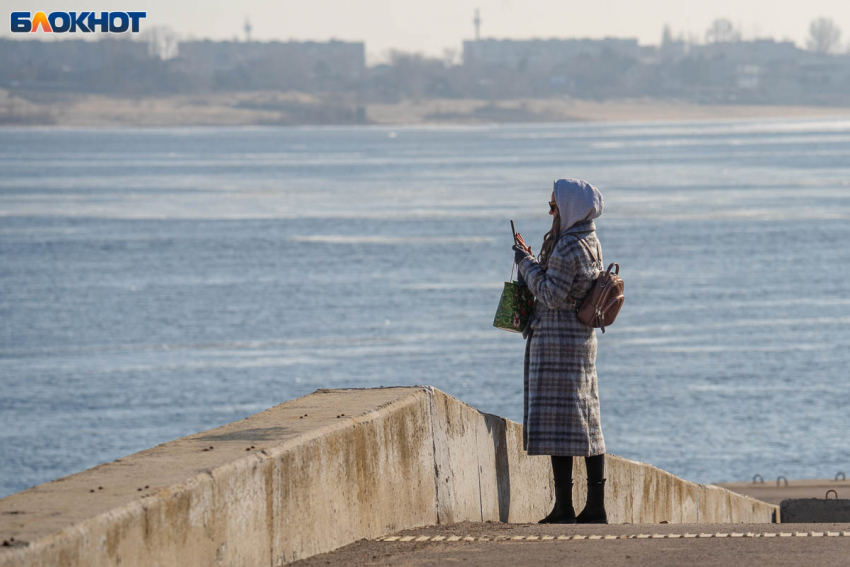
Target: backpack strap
[
  {"x": 598, "y": 257},
  {"x": 596, "y": 260}
]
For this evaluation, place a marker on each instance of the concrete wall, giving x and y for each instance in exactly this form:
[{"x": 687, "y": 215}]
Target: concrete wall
[
  {"x": 815, "y": 510},
  {"x": 316, "y": 473}
]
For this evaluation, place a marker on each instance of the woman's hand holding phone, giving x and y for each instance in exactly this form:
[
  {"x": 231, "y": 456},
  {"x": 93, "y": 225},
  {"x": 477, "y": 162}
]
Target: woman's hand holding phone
[{"x": 521, "y": 243}]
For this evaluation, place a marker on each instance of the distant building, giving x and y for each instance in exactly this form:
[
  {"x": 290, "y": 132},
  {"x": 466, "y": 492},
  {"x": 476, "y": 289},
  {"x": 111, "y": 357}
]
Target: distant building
[
  {"x": 542, "y": 55},
  {"x": 673, "y": 50},
  {"x": 758, "y": 52},
  {"x": 344, "y": 60},
  {"x": 749, "y": 77},
  {"x": 69, "y": 64}
]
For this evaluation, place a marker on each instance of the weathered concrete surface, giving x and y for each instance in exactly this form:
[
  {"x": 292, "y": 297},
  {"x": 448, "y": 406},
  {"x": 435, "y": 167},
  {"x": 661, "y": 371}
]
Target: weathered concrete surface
[
  {"x": 815, "y": 510},
  {"x": 483, "y": 473},
  {"x": 277, "y": 486},
  {"x": 316, "y": 473},
  {"x": 512, "y": 487},
  {"x": 775, "y": 492}
]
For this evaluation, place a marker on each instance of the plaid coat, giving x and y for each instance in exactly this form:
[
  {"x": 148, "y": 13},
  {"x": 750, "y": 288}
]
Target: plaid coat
[{"x": 561, "y": 401}]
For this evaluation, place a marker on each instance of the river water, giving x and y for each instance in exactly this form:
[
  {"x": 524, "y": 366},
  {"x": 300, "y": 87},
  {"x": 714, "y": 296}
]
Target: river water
[{"x": 159, "y": 282}]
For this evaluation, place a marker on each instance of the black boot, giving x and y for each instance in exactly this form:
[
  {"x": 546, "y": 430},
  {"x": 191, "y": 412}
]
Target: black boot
[
  {"x": 563, "y": 512},
  {"x": 594, "y": 510}
]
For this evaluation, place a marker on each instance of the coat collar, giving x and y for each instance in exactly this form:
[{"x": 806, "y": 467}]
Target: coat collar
[{"x": 582, "y": 227}]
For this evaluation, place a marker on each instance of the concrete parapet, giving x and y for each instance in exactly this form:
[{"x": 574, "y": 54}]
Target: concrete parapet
[
  {"x": 319, "y": 472},
  {"x": 815, "y": 510}
]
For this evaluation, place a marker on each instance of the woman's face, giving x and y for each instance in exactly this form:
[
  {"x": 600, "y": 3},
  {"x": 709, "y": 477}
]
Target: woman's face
[{"x": 553, "y": 211}]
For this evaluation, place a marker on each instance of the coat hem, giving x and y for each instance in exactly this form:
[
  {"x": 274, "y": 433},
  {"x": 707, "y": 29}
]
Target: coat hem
[{"x": 563, "y": 454}]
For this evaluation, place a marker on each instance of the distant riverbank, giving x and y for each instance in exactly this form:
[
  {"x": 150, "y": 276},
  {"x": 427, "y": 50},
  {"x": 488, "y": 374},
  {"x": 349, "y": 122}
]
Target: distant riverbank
[{"x": 292, "y": 108}]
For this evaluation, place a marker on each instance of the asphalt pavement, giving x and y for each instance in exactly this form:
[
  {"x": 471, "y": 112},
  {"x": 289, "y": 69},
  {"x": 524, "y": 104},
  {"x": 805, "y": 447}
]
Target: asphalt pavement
[{"x": 515, "y": 545}]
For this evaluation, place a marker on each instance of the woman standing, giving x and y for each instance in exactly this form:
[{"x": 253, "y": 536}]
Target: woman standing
[{"x": 561, "y": 402}]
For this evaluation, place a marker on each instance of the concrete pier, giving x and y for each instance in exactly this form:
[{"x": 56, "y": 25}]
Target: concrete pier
[
  {"x": 775, "y": 492},
  {"x": 319, "y": 472}
]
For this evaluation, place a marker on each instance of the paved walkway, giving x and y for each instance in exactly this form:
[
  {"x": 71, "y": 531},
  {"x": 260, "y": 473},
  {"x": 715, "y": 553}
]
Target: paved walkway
[{"x": 517, "y": 545}]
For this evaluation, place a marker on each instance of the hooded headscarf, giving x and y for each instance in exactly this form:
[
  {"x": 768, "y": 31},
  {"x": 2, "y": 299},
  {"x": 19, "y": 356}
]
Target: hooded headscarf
[{"x": 577, "y": 201}]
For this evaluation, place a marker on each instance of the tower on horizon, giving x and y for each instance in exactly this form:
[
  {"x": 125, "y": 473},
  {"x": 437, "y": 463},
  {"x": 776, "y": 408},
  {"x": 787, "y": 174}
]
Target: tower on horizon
[
  {"x": 477, "y": 22},
  {"x": 247, "y": 30}
]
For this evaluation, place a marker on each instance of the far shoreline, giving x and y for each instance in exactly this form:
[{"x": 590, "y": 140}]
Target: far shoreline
[{"x": 273, "y": 108}]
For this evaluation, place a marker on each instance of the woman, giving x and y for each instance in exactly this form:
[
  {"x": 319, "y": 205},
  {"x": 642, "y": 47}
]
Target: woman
[{"x": 561, "y": 402}]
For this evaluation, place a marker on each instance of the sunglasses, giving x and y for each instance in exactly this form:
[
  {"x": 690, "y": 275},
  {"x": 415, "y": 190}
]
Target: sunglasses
[{"x": 552, "y": 206}]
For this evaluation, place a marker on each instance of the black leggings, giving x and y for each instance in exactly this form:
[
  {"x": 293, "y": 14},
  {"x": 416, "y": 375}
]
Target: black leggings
[{"x": 563, "y": 468}]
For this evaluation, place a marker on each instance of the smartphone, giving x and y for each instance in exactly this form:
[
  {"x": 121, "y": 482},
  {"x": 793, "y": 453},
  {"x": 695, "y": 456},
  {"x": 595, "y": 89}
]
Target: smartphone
[{"x": 513, "y": 230}]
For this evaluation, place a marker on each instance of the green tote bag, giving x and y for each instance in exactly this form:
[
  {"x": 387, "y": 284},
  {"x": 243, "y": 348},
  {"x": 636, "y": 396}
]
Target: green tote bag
[{"x": 514, "y": 308}]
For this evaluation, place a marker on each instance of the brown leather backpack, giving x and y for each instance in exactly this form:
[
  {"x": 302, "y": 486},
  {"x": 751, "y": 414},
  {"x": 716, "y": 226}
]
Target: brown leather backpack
[{"x": 603, "y": 301}]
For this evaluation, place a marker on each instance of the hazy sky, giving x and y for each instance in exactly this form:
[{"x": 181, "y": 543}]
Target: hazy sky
[{"x": 433, "y": 25}]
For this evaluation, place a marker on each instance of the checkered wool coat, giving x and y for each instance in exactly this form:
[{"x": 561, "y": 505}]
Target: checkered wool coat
[{"x": 561, "y": 401}]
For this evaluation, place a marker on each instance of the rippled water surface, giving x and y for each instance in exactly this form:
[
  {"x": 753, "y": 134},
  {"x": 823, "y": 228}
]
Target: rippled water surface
[{"x": 155, "y": 283}]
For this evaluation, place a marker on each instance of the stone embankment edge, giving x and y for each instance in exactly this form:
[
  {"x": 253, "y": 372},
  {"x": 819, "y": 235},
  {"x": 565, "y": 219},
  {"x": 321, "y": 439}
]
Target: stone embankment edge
[{"x": 425, "y": 458}]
